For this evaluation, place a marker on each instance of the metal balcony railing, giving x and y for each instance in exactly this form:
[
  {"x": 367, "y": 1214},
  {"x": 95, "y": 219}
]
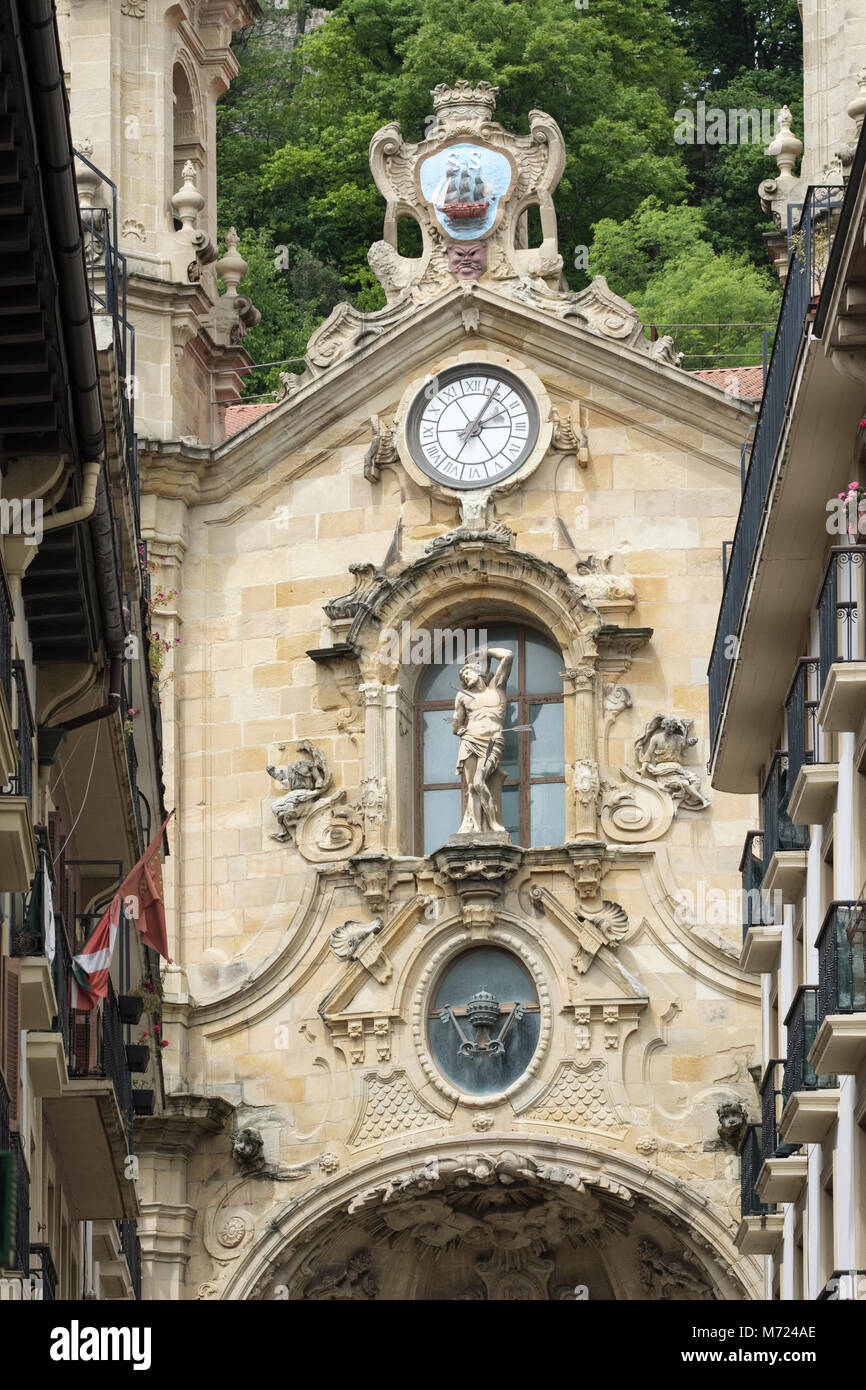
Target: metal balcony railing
[
  {"x": 801, "y": 717},
  {"x": 780, "y": 833},
  {"x": 801, "y": 1022},
  {"x": 131, "y": 755},
  {"x": 21, "y": 1206},
  {"x": 758, "y": 907},
  {"x": 21, "y": 783},
  {"x": 97, "y": 1049},
  {"x": 6, "y": 616},
  {"x": 751, "y": 1159},
  {"x": 131, "y": 1247},
  {"x": 841, "y": 626},
  {"x": 45, "y": 1271},
  {"x": 107, "y": 280},
  {"x": 809, "y": 247},
  {"x": 842, "y": 960}
]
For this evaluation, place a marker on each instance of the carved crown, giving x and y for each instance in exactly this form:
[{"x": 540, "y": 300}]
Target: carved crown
[{"x": 464, "y": 100}]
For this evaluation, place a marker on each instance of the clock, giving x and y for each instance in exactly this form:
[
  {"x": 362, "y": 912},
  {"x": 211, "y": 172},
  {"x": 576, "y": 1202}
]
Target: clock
[{"x": 472, "y": 425}]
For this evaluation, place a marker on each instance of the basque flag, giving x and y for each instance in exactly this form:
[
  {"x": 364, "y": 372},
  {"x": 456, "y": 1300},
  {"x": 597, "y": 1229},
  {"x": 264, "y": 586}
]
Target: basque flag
[{"x": 91, "y": 967}]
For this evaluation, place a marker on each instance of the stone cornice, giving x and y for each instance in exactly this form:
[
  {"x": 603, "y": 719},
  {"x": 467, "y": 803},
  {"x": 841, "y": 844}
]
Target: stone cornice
[{"x": 432, "y": 330}]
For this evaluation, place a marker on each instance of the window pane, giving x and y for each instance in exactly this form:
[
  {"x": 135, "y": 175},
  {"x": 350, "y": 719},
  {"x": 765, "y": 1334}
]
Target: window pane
[
  {"x": 511, "y": 812},
  {"x": 547, "y": 812},
  {"x": 440, "y": 747},
  {"x": 442, "y": 817},
  {"x": 502, "y": 635},
  {"x": 547, "y": 746},
  {"x": 509, "y": 753},
  {"x": 543, "y": 665}
]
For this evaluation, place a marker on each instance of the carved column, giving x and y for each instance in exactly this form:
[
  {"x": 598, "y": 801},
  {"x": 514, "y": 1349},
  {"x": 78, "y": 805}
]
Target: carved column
[
  {"x": 399, "y": 774},
  {"x": 374, "y": 789},
  {"x": 580, "y": 692}
]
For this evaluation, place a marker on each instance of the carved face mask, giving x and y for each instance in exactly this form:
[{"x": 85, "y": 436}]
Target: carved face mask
[{"x": 467, "y": 261}]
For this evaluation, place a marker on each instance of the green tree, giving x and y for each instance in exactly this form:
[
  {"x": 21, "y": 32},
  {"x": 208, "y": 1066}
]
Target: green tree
[{"x": 662, "y": 261}]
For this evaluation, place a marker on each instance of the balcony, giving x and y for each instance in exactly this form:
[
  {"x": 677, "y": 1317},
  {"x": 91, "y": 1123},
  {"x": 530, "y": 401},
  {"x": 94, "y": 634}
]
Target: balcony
[
  {"x": 785, "y": 844},
  {"x": 17, "y": 842},
  {"x": 760, "y": 1229},
  {"x": 762, "y": 929},
  {"x": 812, "y": 772},
  {"x": 842, "y": 640},
  {"x": 810, "y": 1102},
  {"x": 117, "y": 1249},
  {"x": 730, "y": 663},
  {"x": 782, "y": 1175},
  {"x": 44, "y": 1270},
  {"x": 840, "y": 1043},
  {"x": 20, "y": 1247},
  {"x": 8, "y": 746},
  {"x": 92, "y": 1117}
]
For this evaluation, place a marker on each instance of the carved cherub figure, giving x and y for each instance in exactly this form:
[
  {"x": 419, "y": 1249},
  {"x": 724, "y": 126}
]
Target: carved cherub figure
[
  {"x": 660, "y": 751},
  {"x": 306, "y": 780}
]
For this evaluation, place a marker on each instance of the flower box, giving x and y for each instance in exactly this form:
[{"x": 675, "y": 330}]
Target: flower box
[
  {"x": 143, "y": 1101},
  {"x": 137, "y": 1056},
  {"x": 129, "y": 1007}
]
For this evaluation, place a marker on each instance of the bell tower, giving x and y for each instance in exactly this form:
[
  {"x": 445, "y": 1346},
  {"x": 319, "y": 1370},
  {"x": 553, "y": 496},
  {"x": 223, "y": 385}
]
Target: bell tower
[{"x": 144, "y": 77}]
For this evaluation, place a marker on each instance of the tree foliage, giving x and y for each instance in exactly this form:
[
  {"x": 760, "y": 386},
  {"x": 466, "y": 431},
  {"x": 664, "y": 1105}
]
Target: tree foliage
[{"x": 295, "y": 126}]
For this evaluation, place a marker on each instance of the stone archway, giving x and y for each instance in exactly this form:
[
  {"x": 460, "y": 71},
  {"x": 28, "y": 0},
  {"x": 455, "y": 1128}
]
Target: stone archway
[{"x": 535, "y": 1221}]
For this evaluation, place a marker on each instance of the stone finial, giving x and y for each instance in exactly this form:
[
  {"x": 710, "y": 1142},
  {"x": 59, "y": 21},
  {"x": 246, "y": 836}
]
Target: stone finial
[
  {"x": 463, "y": 101},
  {"x": 87, "y": 179},
  {"x": 786, "y": 147},
  {"x": 232, "y": 267},
  {"x": 857, "y": 108},
  {"x": 187, "y": 201}
]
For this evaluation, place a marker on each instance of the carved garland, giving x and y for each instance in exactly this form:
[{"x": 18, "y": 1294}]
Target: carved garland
[{"x": 421, "y": 1005}]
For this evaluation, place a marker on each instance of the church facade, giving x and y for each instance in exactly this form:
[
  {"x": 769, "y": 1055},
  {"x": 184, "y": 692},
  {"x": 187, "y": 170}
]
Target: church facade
[{"x": 456, "y": 1008}]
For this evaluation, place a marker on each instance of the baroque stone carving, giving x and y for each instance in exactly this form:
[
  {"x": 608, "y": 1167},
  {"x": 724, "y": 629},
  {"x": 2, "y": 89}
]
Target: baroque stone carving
[
  {"x": 666, "y": 1276},
  {"x": 307, "y": 780},
  {"x": 614, "y": 699},
  {"x": 636, "y": 809},
  {"x": 382, "y": 450},
  {"x": 733, "y": 1119},
  {"x": 578, "y": 1095},
  {"x": 353, "y": 1281},
  {"x": 477, "y": 523},
  {"x": 354, "y": 940},
  {"x": 607, "y": 591},
  {"x": 390, "y": 1105},
  {"x": 247, "y": 1146},
  {"x": 569, "y": 436},
  {"x": 605, "y": 927},
  {"x": 660, "y": 751}
]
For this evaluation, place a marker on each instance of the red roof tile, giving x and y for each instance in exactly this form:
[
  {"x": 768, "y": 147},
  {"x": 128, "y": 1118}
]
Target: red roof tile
[
  {"x": 239, "y": 416},
  {"x": 746, "y": 382}
]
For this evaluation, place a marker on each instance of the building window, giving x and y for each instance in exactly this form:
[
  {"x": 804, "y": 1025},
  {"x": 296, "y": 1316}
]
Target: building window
[
  {"x": 484, "y": 1021},
  {"x": 533, "y": 761}
]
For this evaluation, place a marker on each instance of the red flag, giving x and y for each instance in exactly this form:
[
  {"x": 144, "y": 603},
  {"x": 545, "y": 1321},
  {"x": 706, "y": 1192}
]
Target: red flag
[
  {"x": 141, "y": 892},
  {"x": 90, "y": 968}
]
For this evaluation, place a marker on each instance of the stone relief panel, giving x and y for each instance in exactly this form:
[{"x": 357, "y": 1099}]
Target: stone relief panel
[
  {"x": 578, "y": 1095},
  {"x": 389, "y": 1105}
]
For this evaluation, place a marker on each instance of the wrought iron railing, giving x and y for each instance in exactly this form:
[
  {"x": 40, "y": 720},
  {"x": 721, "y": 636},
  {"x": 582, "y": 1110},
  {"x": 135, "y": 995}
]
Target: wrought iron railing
[
  {"x": 780, "y": 833},
  {"x": 801, "y": 717},
  {"x": 841, "y": 627},
  {"x": 809, "y": 246},
  {"x": 6, "y": 616},
  {"x": 842, "y": 960},
  {"x": 759, "y": 910},
  {"x": 131, "y": 755},
  {"x": 107, "y": 281},
  {"x": 801, "y": 1022},
  {"x": 21, "y": 1206},
  {"x": 98, "y": 1050},
  {"x": 131, "y": 1247},
  {"x": 45, "y": 1271},
  {"x": 751, "y": 1159},
  {"x": 21, "y": 783}
]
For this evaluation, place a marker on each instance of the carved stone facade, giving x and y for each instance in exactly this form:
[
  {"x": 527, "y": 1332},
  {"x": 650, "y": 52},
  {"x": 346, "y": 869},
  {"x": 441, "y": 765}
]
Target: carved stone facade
[{"x": 312, "y": 939}]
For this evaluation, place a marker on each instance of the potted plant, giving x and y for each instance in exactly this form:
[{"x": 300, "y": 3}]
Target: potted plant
[
  {"x": 138, "y": 1054},
  {"x": 129, "y": 1007},
  {"x": 150, "y": 995},
  {"x": 142, "y": 1098}
]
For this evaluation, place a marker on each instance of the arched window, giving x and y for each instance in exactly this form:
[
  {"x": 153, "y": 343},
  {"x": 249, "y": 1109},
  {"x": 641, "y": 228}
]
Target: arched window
[
  {"x": 187, "y": 142},
  {"x": 533, "y": 794}
]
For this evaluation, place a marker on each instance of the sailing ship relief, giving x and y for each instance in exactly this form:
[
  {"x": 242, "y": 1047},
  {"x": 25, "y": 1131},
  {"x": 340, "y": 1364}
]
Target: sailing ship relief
[{"x": 464, "y": 185}]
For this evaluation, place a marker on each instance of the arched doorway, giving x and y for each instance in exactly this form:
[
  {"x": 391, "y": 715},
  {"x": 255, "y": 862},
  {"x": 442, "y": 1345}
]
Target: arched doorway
[{"x": 534, "y": 1222}]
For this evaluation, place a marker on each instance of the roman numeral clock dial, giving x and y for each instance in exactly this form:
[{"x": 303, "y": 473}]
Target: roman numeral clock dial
[{"x": 471, "y": 427}]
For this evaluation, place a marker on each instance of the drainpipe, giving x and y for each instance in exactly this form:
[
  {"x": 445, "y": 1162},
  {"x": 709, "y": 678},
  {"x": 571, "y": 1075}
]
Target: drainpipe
[
  {"x": 85, "y": 506},
  {"x": 111, "y": 704}
]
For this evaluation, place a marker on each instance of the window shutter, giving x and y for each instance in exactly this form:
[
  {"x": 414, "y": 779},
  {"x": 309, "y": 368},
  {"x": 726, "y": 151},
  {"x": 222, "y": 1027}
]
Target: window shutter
[{"x": 10, "y": 1031}]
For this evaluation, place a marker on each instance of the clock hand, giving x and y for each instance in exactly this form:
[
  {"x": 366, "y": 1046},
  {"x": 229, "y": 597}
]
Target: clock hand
[{"x": 467, "y": 433}]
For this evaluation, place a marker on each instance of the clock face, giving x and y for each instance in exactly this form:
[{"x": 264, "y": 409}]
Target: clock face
[{"x": 472, "y": 426}]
